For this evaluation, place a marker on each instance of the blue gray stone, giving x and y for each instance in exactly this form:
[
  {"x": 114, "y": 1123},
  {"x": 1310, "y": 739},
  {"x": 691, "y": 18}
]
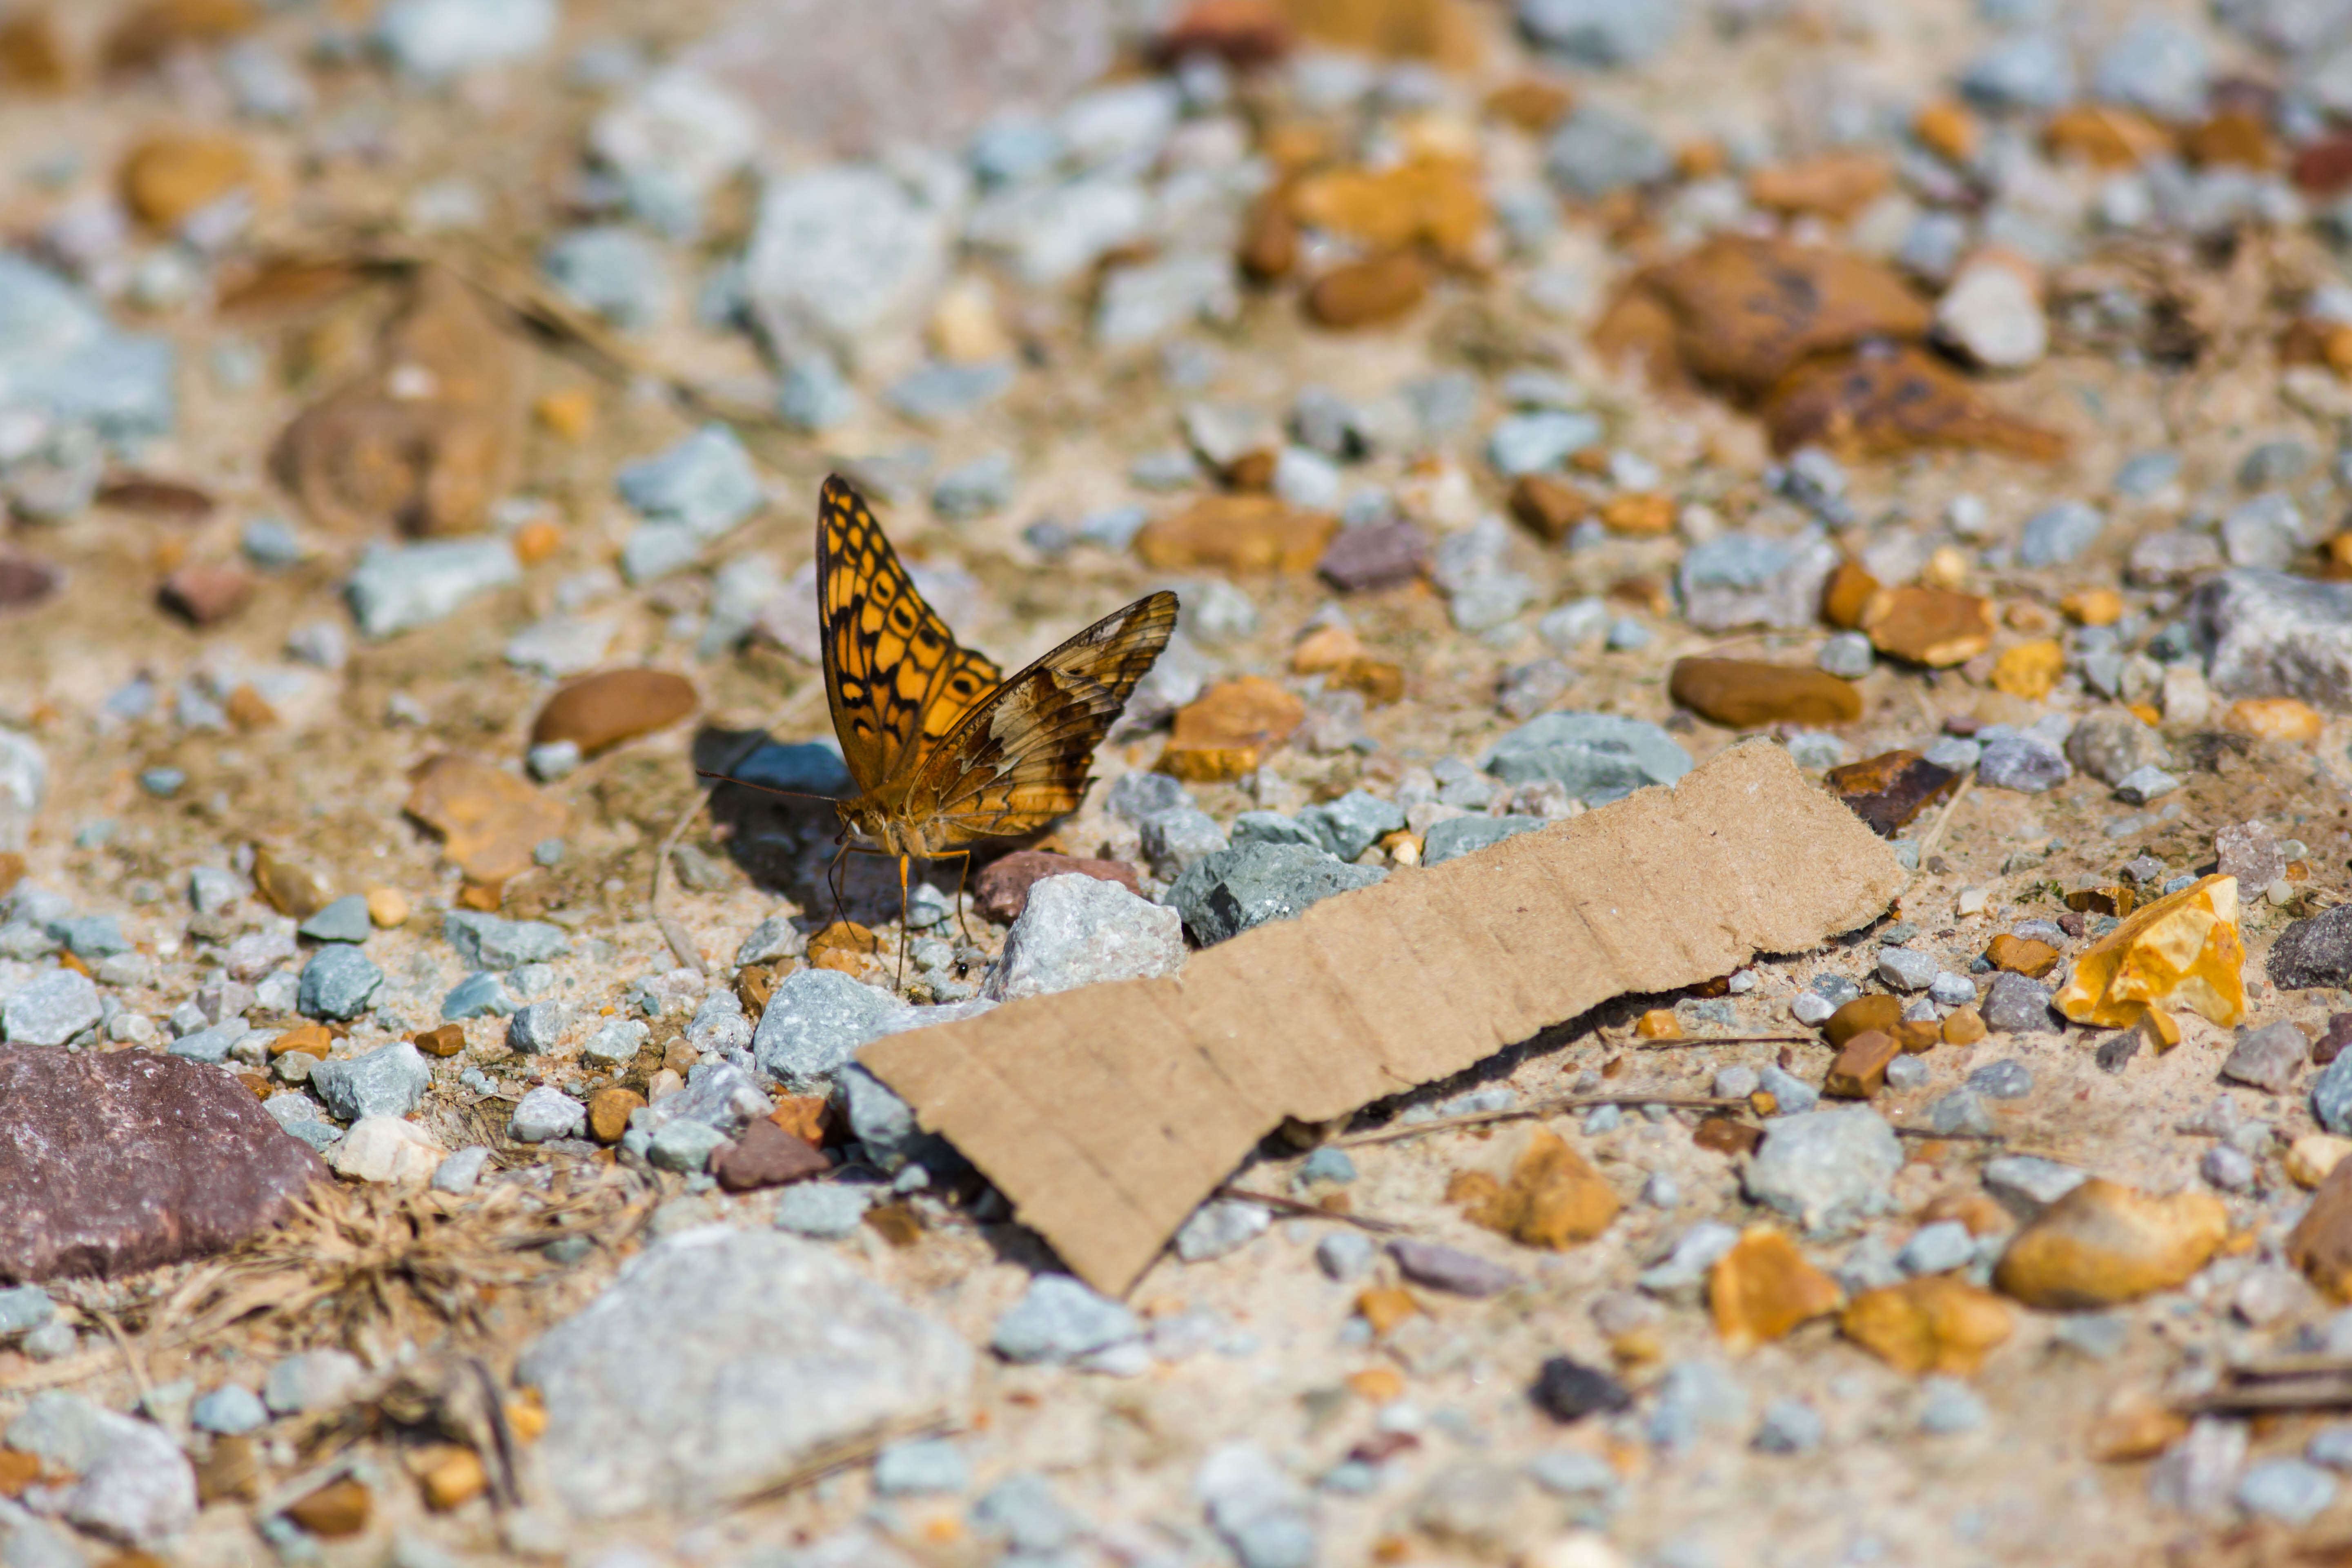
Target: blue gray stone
[
  {"x": 2059, "y": 534},
  {"x": 1353, "y": 823},
  {"x": 51, "y": 1010},
  {"x": 23, "y": 1308},
  {"x": 939, "y": 392},
  {"x": 2143, "y": 784},
  {"x": 814, "y": 396},
  {"x": 685, "y": 1146},
  {"x": 824, "y": 1210},
  {"x": 1948, "y": 1406},
  {"x": 1599, "y": 151},
  {"x": 922, "y": 1465},
  {"x": 1738, "y": 580},
  {"x": 2157, "y": 65},
  {"x": 338, "y": 983},
  {"x": 1059, "y": 1319},
  {"x": 90, "y": 936},
  {"x": 390, "y": 1080},
  {"x": 537, "y": 1027},
  {"x": 1226, "y": 893},
  {"x": 479, "y": 995},
  {"x": 228, "y": 1411},
  {"x": 397, "y": 588},
  {"x": 1600, "y": 32},
  {"x": 1272, "y": 827},
  {"x": 1137, "y": 797},
  {"x": 211, "y": 1045},
  {"x": 1692, "y": 1398},
  {"x": 345, "y": 920},
  {"x": 1596, "y": 757},
  {"x": 2005, "y": 1079},
  {"x": 1218, "y": 1227},
  {"x": 975, "y": 489},
  {"x": 806, "y": 767},
  {"x": 60, "y": 356},
  {"x": 814, "y": 1020},
  {"x": 1344, "y": 1254},
  {"x": 2293, "y": 1491},
  {"x": 1826, "y": 1169},
  {"x": 2145, "y": 474},
  {"x": 610, "y": 271},
  {"x": 1937, "y": 1248},
  {"x": 1176, "y": 839},
  {"x": 432, "y": 40},
  {"x": 703, "y": 482},
  {"x": 1533, "y": 443},
  {"x": 2028, "y": 70},
  {"x": 1791, "y": 1093},
  {"x": 1789, "y": 1427},
  {"x": 840, "y": 251}
]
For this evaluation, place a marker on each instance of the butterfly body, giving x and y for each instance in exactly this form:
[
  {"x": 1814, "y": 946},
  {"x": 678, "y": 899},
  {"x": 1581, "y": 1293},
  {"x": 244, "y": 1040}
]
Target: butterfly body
[{"x": 946, "y": 753}]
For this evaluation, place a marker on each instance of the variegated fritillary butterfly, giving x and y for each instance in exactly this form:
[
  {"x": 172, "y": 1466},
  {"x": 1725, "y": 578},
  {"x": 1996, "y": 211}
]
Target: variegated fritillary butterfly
[{"x": 944, "y": 752}]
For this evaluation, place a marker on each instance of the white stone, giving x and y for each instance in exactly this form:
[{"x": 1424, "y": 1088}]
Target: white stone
[
  {"x": 386, "y": 1149},
  {"x": 1080, "y": 931},
  {"x": 1992, "y": 315}
]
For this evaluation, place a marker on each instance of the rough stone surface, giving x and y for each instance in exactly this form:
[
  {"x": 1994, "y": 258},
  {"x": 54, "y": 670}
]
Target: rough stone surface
[
  {"x": 2272, "y": 634},
  {"x": 1059, "y": 1319},
  {"x": 2015, "y": 1004},
  {"x": 1079, "y": 931},
  {"x": 1826, "y": 1169},
  {"x": 338, "y": 983},
  {"x": 2314, "y": 953},
  {"x": 1596, "y": 757},
  {"x": 722, "y": 1363},
  {"x": 386, "y": 1081},
  {"x": 492, "y": 941},
  {"x": 2268, "y": 1058},
  {"x": 118, "y": 1161},
  {"x": 816, "y": 1019},
  {"x": 51, "y": 1011},
  {"x": 1225, "y": 894}
]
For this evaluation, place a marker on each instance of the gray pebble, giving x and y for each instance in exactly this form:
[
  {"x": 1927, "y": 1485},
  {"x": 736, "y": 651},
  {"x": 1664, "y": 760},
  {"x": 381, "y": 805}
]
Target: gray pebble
[
  {"x": 1449, "y": 1268},
  {"x": 1847, "y": 654},
  {"x": 920, "y": 1465},
  {"x": 387, "y": 1081},
  {"x": 1905, "y": 970},
  {"x": 1344, "y": 1254},
  {"x": 2227, "y": 1167},
  {"x": 1825, "y": 1169},
  {"x": 396, "y": 588},
  {"x": 1790, "y": 1426},
  {"x": 822, "y": 1211},
  {"x": 537, "y": 1027},
  {"x": 51, "y": 1010},
  {"x": 1951, "y": 990},
  {"x": 1218, "y": 1227},
  {"x": 1736, "y": 1082},
  {"x": 1948, "y": 1406},
  {"x": 1791, "y": 1093},
  {"x": 1906, "y": 1073},
  {"x": 2016, "y": 1005},
  {"x": 338, "y": 983},
  {"x": 229, "y": 1410},
  {"x": 345, "y": 920},
  {"x": 545, "y": 1114},
  {"x": 1937, "y": 1248},
  {"x": 2006, "y": 1079},
  {"x": 2292, "y": 1491},
  {"x": 459, "y": 1171},
  {"x": 1059, "y": 1319}
]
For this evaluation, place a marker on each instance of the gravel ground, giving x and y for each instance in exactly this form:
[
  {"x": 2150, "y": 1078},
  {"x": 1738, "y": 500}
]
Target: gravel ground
[{"x": 411, "y": 422}]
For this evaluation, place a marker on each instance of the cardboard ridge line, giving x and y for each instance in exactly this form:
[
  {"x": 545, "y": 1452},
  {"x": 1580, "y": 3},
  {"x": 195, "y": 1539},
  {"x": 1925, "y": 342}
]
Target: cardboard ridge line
[{"x": 1105, "y": 1114}]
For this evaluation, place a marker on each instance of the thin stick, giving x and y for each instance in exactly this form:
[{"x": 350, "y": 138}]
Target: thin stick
[
  {"x": 1935, "y": 834},
  {"x": 1930, "y": 1132},
  {"x": 1310, "y": 1211},
  {"x": 1530, "y": 1113},
  {"x": 1729, "y": 1040}
]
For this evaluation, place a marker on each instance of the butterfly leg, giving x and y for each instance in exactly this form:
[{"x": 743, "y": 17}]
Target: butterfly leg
[
  {"x": 833, "y": 879},
  {"x": 905, "y": 932},
  {"x": 962, "y": 871}
]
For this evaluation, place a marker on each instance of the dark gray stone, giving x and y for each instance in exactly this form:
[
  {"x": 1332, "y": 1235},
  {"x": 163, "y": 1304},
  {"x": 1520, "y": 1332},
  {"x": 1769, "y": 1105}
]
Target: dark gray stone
[
  {"x": 1451, "y": 1269},
  {"x": 2015, "y": 1004},
  {"x": 2111, "y": 746},
  {"x": 2314, "y": 953},
  {"x": 1224, "y": 894},
  {"x": 2272, "y": 634},
  {"x": 492, "y": 941},
  {"x": 386, "y": 1081},
  {"x": 1596, "y": 757},
  {"x": 1353, "y": 823},
  {"x": 2026, "y": 764},
  {"x": 479, "y": 995}
]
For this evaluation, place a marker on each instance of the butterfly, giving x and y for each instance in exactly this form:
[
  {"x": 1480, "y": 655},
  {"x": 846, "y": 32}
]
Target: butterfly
[{"x": 944, "y": 750}]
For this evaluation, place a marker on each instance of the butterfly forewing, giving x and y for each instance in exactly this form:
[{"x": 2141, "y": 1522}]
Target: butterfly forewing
[
  {"x": 895, "y": 677},
  {"x": 1022, "y": 757}
]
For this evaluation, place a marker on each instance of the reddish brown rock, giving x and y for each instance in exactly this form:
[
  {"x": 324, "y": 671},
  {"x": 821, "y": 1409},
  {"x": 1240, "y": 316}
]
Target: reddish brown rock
[
  {"x": 203, "y": 593},
  {"x": 1374, "y": 555},
  {"x": 608, "y": 1112},
  {"x": 1747, "y": 694},
  {"x": 1001, "y": 891},
  {"x": 599, "y": 710},
  {"x": 335, "y": 1510},
  {"x": 2321, "y": 1243},
  {"x": 1877, "y": 1011},
  {"x": 118, "y": 1161},
  {"x": 1860, "y": 1071},
  {"x": 1228, "y": 729},
  {"x": 2021, "y": 956},
  {"x": 1548, "y": 508},
  {"x": 1368, "y": 294},
  {"x": 291, "y": 887},
  {"x": 1888, "y": 790},
  {"x": 765, "y": 1155},
  {"x": 1887, "y": 402},
  {"x": 1847, "y": 594},
  {"x": 1239, "y": 32},
  {"x": 490, "y": 821},
  {"x": 24, "y": 582},
  {"x": 168, "y": 177},
  {"x": 1934, "y": 1324}
]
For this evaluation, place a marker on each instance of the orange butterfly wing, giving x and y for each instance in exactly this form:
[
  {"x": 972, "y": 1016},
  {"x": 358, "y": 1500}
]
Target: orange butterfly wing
[
  {"x": 1023, "y": 756},
  {"x": 895, "y": 677}
]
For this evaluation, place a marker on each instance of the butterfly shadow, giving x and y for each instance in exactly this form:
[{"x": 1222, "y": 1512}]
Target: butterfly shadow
[{"x": 786, "y": 843}]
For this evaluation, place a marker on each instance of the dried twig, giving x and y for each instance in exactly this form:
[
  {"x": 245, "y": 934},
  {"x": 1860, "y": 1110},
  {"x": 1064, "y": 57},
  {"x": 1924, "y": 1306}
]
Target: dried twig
[
  {"x": 1310, "y": 1211},
  {"x": 2281, "y": 1382},
  {"x": 1531, "y": 1113},
  {"x": 1728, "y": 1040},
  {"x": 1935, "y": 834}
]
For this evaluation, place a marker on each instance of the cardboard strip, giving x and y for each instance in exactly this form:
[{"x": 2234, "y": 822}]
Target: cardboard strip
[{"x": 1107, "y": 1113}]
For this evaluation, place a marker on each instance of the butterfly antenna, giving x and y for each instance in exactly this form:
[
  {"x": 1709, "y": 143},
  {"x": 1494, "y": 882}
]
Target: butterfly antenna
[
  {"x": 765, "y": 789},
  {"x": 832, "y": 880}
]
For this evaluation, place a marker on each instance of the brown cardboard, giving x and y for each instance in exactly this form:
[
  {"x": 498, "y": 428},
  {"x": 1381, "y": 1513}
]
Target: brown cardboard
[{"x": 1105, "y": 1114}]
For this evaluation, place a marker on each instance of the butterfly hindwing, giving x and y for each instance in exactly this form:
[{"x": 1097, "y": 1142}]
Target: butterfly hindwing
[
  {"x": 895, "y": 677},
  {"x": 1022, "y": 757}
]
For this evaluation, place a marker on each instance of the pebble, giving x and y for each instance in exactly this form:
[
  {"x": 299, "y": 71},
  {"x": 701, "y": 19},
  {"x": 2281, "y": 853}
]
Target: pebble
[
  {"x": 479, "y": 995},
  {"x": 1790, "y": 1425},
  {"x": 383, "y": 1149},
  {"x": 344, "y": 919},
  {"x": 984, "y": 485},
  {"x": 1231, "y": 890},
  {"x": 1059, "y": 1319},
  {"x": 390, "y": 1080},
  {"x": 1905, "y": 970},
  {"x": 1539, "y": 442},
  {"x": 2269, "y": 1057},
  {"x": 637, "y": 1385},
  {"x": 1176, "y": 839},
  {"x": 1344, "y": 1254},
  {"x": 432, "y": 40},
  {"x": 537, "y": 1027},
  {"x": 2061, "y": 534},
  {"x": 1596, "y": 757},
  {"x": 2015, "y": 1003},
  {"x": 611, "y": 272},
  {"x": 1353, "y": 824},
  {"x": 2144, "y": 784},
  {"x": 920, "y": 1466},
  {"x": 1825, "y": 1169},
  {"x": 1261, "y": 1513},
  {"x": 1450, "y": 1270},
  {"x": 822, "y": 1211},
  {"x": 51, "y": 1010},
  {"x": 2111, "y": 746},
  {"x": 459, "y": 1171},
  {"x": 1738, "y": 580},
  {"x": 1694, "y": 1396},
  {"x": 1596, "y": 151},
  {"x": 2103, "y": 1242},
  {"x": 2274, "y": 635},
  {"x": 1948, "y": 1406},
  {"x": 1791, "y": 1093},
  {"x": 1218, "y": 1227},
  {"x": 2293, "y": 1491},
  {"x": 2198, "y": 1474},
  {"x": 230, "y": 1410},
  {"x": 1846, "y": 655},
  {"x": 313, "y": 1381},
  {"x": 546, "y": 1113},
  {"x": 398, "y": 588},
  {"x": 2009, "y": 1079},
  {"x": 812, "y": 1022},
  {"x": 2023, "y": 762}
]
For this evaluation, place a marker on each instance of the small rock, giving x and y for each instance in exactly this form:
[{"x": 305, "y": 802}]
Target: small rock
[
  {"x": 1344, "y": 1254},
  {"x": 822, "y": 1211},
  {"x": 1059, "y": 1321},
  {"x": 1230, "y": 892},
  {"x": 546, "y": 1113},
  {"x": 1568, "y": 1391},
  {"x": 765, "y": 1155},
  {"x": 601, "y": 711},
  {"x": 1220, "y": 1226},
  {"x": 1763, "y": 1288},
  {"x": 2314, "y": 953},
  {"x": 399, "y": 588},
  {"x": 2268, "y": 1058},
  {"x": 919, "y": 1465},
  {"x": 386, "y": 1149},
  {"x": 1947, "y": 1406},
  {"x": 2292, "y": 1491},
  {"x": 344, "y": 919},
  {"x": 1448, "y": 1268},
  {"x": 51, "y": 1010},
  {"x": 1596, "y": 757},
  {"x": 1905, "y": 970},
  {"x": 338, "y": 983},
  {"x": 1789, "y": 1427},
  {"x": 231, "y": 1410},
  {"x": 812, "y": 1022},
  {"x": 459, "y": 1171},
  {"x": 2103, "y": 1242},
  {"x": 2013, "y": 1003},
  {"x": 1825, "y": 1169},
  {"x": 1001, "y": 890},
  {"x": 1991, "y": 314}
]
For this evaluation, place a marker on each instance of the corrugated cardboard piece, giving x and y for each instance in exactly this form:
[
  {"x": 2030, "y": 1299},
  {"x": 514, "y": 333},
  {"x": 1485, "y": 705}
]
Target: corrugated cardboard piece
[{"x": 1107, "y": 1113}]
